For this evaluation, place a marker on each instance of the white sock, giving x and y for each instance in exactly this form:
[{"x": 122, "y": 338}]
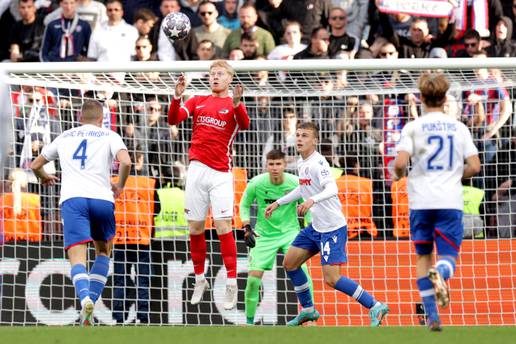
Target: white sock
[
  {"x": 200, "y": 278},
  {"x": 231, "y": 281}
]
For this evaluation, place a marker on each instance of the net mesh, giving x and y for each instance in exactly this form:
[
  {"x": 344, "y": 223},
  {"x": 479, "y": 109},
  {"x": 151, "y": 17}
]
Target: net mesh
[{"x": 360, "y": 114}]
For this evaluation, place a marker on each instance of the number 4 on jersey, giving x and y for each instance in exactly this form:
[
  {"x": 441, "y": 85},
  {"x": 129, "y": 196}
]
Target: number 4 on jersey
[{"x": 80, "y": 153}]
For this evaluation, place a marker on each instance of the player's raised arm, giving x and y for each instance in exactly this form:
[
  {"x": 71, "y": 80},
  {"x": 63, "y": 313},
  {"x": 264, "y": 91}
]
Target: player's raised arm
[
  {"x": 176, "y": 112},
  {"x": 241, "y": 115}
]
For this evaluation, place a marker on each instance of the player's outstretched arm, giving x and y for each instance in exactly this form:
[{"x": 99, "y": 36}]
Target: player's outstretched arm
[
  {"x": 123, "y": 172},
  {"x": 270, "y": 209},
  {"x": 292, "y": 196},
  {"x": 177, "y": 113},
  {"x": 330, "y": 190},
  {"x": 241, "y": 115},
  {"x": 39, "y": 171}
]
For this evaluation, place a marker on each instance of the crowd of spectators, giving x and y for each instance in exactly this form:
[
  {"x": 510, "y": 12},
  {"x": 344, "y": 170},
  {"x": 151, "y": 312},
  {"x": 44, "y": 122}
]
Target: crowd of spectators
[
  {"x": 78, "y": 30},
  {"x": 361, "y": 128}
]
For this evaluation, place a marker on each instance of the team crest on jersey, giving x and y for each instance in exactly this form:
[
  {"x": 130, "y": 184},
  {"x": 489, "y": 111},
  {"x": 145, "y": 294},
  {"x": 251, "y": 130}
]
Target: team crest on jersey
[
  {"x": 224, "y": 112},
  {"x": 325, "y": 173}
]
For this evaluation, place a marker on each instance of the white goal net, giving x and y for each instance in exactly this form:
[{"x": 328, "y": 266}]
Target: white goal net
[{"x": 360, "y": 107}]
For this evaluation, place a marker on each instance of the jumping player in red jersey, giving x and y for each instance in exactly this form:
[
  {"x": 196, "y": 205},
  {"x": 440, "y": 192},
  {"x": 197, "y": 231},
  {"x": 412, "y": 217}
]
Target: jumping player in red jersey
[{"x": 216, "y": 121}]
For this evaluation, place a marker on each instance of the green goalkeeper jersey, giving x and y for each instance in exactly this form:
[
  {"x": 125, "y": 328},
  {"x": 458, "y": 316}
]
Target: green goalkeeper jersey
[{"x": 284, "y": 219}]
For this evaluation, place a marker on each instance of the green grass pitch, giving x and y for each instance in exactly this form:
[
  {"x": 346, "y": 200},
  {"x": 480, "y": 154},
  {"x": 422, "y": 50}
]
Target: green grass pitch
[{"x": 251, "y": 335}]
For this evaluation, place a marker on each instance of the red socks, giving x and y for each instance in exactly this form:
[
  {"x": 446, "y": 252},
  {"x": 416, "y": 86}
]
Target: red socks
[
  {"x": 227, "y": 250},
  {"x": 198, "y": 252},
  {"x": 229, "y": 253}
]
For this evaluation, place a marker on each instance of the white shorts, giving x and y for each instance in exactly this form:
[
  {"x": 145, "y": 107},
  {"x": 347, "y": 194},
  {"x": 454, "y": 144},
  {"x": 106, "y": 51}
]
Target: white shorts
[{"x": 204, "y": 187}]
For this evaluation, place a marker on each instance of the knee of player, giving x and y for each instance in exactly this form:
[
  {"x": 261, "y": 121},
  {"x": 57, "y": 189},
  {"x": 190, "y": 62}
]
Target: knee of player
[
  {"x": 103, "y": 248},
  {"x": 104, "y": 252},
  {"x": 196, "y": 227},
  {"x": 289, "y": 265},
  {"x": 331, "y": 280}
]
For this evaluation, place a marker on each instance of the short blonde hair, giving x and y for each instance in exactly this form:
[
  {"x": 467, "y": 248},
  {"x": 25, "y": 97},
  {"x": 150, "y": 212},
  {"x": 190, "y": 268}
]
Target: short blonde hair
[
  {"x": 223, "y": 64},
  {"x": 433, "y": 87}
]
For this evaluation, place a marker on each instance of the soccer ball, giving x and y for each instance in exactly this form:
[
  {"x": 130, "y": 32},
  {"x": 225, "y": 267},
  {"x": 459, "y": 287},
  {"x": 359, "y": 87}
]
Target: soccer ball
[{"x": 176, "y": 26}]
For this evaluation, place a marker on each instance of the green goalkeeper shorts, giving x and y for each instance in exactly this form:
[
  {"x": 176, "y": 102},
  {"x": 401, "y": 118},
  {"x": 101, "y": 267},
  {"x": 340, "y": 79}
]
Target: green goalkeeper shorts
[{"x": 263, "y": 256}]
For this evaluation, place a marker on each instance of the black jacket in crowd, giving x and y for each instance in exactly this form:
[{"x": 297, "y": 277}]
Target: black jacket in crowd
[
  {"x": 29, "y": 38},
  {"x": 341, "y": 43},
  {"x": 503, "y": 48},
  {"x": 310, "y": 13}
]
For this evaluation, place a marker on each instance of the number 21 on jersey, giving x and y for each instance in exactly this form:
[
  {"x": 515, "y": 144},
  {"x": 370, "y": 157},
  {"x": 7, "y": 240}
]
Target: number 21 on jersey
[
  {"x": 442, "y": 144},
  {"x": 80, "y": 153}
]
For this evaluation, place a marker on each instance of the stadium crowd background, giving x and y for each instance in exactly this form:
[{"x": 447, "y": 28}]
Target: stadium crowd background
[{"x": 353, "y": 127}]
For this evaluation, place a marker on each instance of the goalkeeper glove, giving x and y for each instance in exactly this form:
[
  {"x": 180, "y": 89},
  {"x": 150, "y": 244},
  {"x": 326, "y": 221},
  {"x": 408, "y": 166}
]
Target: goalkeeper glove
[{"x": 249, "y": 236}]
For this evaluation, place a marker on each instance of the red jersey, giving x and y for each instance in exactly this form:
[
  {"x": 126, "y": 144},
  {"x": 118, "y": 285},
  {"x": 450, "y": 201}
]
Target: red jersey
[{"x": 215, "y": 125}]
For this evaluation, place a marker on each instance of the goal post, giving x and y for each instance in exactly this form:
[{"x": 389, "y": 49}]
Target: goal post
[{"x": 360, "y": 107}]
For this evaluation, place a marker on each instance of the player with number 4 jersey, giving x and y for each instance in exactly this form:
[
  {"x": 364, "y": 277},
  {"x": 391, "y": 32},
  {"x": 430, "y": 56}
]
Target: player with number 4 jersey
[
  {"x": 86, "y": 155},
  {"x": 327, "y": 234},
  {"x": 438, "y": 146}
]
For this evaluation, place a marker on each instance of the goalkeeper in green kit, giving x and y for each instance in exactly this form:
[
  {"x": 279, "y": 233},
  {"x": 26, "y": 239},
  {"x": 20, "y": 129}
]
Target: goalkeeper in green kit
[{"x": 269, "y": 235}]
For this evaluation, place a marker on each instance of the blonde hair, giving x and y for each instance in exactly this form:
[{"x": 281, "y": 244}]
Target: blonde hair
[
  {"x": 433, "y": 88},
  {"x": 223, "y": 64}
]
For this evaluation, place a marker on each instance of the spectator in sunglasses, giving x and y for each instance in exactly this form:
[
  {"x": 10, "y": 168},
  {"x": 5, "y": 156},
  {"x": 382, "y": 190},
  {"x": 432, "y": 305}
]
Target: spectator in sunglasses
[
  {"x": 340, "y": 40},
  {"x": 210, "y": 29},
  {"x": 471, "y": 44}
]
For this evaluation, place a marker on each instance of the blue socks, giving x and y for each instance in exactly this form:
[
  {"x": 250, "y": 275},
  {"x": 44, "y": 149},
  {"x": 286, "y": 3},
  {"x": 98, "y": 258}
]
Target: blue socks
[
  {"x": 98, "y": 276},
  {"x": 353, "y": 289},
  {"x": 344, "y": 284},
  {"x": 446, "y": 267},
  {"x": 81, "y": 281},
  {"x": 427, "y": 293},
  {"x": 302, "y": 288}
]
